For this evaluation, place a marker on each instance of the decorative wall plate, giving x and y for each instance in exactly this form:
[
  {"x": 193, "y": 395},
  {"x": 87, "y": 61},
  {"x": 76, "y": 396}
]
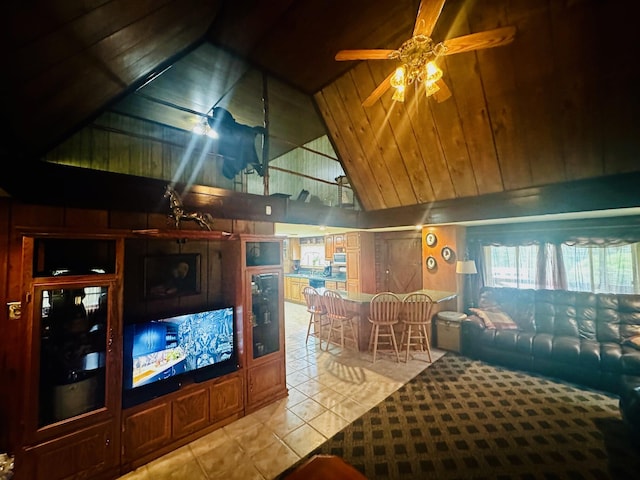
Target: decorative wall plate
[
  {"x": 431, "y": 263},
  {"x": 431, "y": 239},
  {"x": 447, "y": 254}
]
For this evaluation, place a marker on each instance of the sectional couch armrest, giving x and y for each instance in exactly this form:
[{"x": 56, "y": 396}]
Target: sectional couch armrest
[{"x": 471, "y": 329}]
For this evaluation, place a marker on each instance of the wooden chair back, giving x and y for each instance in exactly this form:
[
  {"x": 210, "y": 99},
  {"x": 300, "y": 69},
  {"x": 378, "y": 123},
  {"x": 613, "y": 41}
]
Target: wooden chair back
[
  {"x": 313, "y": 300},
  {"x": 416, "y": 308},
  {"x": 335, "y": 305},
  {"x": 384, "y": 308}
]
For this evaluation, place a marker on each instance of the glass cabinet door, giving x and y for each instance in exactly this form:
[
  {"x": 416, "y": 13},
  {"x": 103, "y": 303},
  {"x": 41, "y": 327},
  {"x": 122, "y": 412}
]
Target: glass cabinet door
[
  {"x": 72, "y": 329},
  {"x": 265, "y": 311}
]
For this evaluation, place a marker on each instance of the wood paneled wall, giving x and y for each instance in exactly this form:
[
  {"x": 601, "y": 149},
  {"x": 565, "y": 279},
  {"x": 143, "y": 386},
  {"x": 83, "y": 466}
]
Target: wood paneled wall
[
  {"x": 444, "y": 276},
  {"x": 537, "y": 112}
]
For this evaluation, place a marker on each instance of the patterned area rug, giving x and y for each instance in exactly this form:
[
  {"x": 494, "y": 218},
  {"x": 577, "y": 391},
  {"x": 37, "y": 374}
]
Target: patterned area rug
[{"x": 463, "y": 419}]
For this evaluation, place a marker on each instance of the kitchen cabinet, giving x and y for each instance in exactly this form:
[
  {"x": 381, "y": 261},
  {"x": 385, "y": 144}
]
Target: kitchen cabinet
[
  {"x": 293, "y": 288},
  {"x": 328, "y": 247},
  {"x": 334, "y": 244},
  {"x": 360, "y": 250},
  {"x": 335, "y": 285}
]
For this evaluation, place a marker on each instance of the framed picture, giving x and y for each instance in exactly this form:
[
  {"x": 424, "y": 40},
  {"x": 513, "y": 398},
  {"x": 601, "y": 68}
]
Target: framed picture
[
  {"x": 172, "y": 275},
  {"x": 447, "y": 254},
  {"x": 431, "y": 263},
  {"x": 431, "y": 239}
]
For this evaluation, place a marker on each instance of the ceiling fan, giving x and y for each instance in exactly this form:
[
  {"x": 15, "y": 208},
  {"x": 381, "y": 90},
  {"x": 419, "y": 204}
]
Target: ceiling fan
[{"x": 419, "y": 54}]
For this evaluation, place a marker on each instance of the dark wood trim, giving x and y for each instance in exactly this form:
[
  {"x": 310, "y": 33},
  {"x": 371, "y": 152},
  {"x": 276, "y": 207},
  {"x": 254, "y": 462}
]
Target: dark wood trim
[
  {"x": 68, "y": 186},
  {"x": 611, "y": 192}
]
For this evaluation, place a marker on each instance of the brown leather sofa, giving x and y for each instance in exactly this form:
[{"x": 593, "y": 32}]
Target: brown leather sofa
[{"x": 585, "y": 338}]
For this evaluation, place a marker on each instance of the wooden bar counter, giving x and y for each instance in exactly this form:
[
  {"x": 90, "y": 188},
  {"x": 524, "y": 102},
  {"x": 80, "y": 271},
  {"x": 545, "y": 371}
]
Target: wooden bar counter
[{"x": 359, "y": 303}]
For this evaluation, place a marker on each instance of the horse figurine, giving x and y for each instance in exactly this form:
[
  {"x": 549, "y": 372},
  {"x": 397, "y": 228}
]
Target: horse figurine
[{"x": 178, "y": 212}]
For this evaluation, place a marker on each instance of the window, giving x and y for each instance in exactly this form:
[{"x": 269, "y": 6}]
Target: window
[
  {"x": 606, "y": 269},
  {"x": 585, "y": 268},
  {"x": 312, "y": 255},
  {"x": 511, "y": 266}
]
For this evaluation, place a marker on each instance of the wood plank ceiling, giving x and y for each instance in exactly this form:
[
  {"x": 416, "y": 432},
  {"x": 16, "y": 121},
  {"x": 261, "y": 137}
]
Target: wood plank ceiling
[{"x": 558, "y": 104}]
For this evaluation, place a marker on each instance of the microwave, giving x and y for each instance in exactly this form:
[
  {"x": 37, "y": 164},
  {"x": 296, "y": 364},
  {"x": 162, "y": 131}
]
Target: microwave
[{"x": 339, "y": 258}]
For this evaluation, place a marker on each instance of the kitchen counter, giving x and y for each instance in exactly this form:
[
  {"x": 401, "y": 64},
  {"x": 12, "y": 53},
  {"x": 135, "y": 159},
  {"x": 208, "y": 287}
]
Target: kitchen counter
[
  {"x": 361, "y": 298},
  {"x": 359, "y": 304},
  {"x": 318, "y": 276}
]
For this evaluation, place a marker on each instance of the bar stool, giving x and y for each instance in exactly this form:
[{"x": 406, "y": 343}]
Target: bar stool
[
  {"x": 384, "y": 309},
  {"x": 317, "y": 311},
  {"x": 339, "y": 317},
  {"x": 416, "y": 319}
]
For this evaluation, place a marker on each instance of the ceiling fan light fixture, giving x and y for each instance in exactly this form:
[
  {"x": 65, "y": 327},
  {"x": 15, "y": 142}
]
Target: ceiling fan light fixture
[
  {"x": 431, "y": 88},
  {"x": 398, "y": 95},
  {"x": 434, "y": 73},
  {"x": 418, "y": 54},
  {"x": 398, "y": 79}
]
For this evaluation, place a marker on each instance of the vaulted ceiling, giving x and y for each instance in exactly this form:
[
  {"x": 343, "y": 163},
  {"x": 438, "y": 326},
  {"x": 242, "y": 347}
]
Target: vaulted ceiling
[{"x": 558, "y": 104}]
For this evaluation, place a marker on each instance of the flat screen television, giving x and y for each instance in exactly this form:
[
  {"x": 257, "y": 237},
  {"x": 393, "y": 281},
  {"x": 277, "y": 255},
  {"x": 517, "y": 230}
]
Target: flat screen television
[{"x": 161, "y": 353}]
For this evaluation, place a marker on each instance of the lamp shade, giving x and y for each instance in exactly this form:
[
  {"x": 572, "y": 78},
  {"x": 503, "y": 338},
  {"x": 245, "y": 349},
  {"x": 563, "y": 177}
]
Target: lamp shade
[{"x": 466, "y": 266}]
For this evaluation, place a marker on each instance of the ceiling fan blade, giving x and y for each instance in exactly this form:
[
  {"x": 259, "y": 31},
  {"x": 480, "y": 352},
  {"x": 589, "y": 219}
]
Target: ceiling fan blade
[
  {"x": 379, "y": 91},
  {"x": 477, "y": 41},
  {"x": 444, "y": 92},
  {"x": 371, "y": 54},
  {"x": 428, "y": 14}
]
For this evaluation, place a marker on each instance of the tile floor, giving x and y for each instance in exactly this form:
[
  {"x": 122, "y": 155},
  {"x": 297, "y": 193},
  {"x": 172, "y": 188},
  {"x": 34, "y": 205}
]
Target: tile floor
[{"x": 327, "y": 391}]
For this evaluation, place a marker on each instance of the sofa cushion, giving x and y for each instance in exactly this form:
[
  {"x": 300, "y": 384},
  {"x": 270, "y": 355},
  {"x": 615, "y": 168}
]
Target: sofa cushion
[
  {"x": 542, "y": 345},
  {"x": 629, "y": 308},
  {"x": 608, "y": 318},
  {"x": 630, "y": 362},
  {"x": 566, "y": 350},
  {"x": 494, "y": 318},
  {"x": 611, "y": 354},
  {"x": 590, "y": 354}
]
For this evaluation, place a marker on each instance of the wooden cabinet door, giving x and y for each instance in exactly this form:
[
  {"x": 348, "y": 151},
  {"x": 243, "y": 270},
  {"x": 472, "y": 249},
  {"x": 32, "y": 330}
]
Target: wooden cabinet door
[
  {"x": 89, "y": 453},
  {"x": 339, "y": 242},
  {"x": 287, "y": 287},
  {"x": 352, "y": 240},
  {"x": 190, "y": 412},
  {"x": 146, "y": 430},
  {"x": 226, "y": 398},
  {"x": 353, "y": 286},
  {"x": 295, "y": 290},
  {"x": 353, "y": 265},
  {"x": 328, "y": 247},
  {"x": 265, "y": 383}
]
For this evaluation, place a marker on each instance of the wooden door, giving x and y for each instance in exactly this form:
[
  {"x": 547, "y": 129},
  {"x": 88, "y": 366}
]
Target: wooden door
[{"x": 401, "y": 264}]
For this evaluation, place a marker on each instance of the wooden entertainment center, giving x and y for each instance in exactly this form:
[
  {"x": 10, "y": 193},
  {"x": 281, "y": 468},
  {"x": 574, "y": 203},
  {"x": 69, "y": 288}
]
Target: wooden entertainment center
[{"x": 80, "y": 289}]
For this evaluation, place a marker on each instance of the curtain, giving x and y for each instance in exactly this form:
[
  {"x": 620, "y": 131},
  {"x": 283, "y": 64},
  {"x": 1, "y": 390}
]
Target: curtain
[
  {"x": 550, "y": 269},
  {"x": 613, "y": 268},
  {"x": 476, "y": 282}
]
